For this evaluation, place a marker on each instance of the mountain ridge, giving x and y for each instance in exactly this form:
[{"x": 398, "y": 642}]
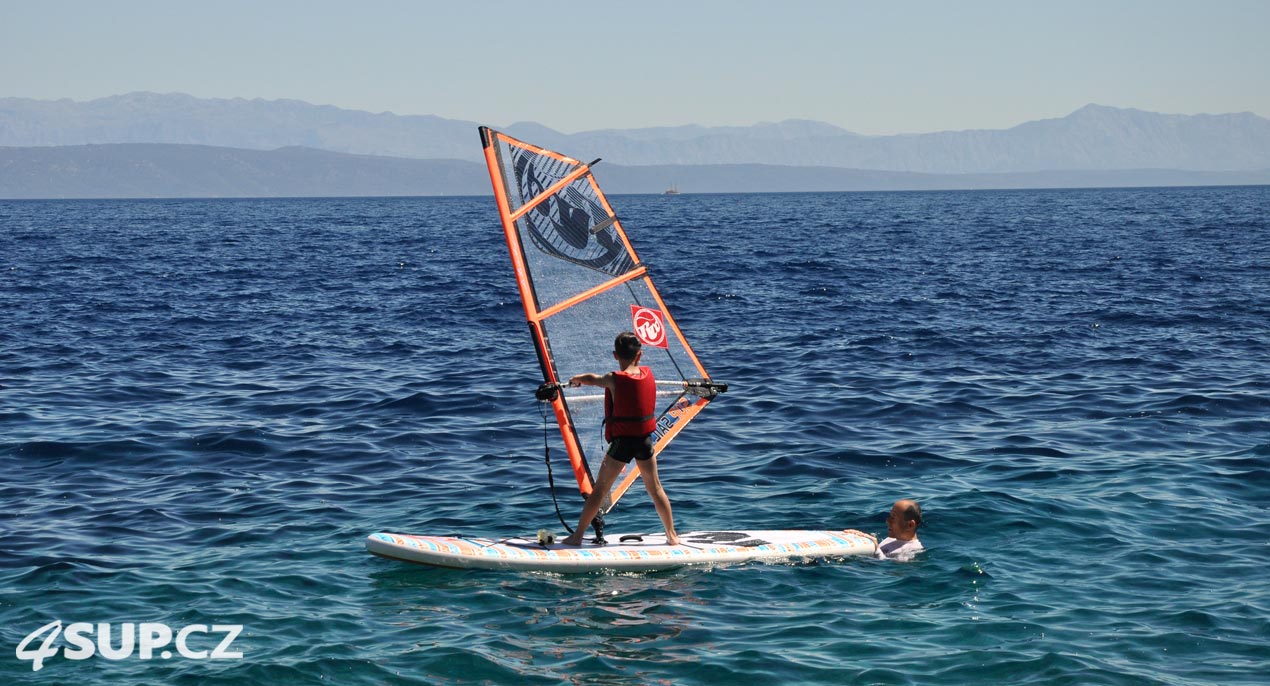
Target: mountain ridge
[{"x": 1093, "y": 137}]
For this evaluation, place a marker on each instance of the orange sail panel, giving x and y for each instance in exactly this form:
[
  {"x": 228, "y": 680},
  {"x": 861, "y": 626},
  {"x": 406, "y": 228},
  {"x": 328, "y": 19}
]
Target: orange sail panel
[{"x": 581, "y": 284}]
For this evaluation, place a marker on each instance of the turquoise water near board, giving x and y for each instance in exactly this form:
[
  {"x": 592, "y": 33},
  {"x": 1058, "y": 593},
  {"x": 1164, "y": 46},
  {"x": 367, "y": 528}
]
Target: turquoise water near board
[{"x": 206, "y": 405}]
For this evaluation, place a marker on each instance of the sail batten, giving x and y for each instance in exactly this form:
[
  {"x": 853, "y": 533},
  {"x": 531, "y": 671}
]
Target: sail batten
[
  {"x": 546, "y": 194},
  {"x": 588, "y": 294},
  {"x": 581, "y": 283}
]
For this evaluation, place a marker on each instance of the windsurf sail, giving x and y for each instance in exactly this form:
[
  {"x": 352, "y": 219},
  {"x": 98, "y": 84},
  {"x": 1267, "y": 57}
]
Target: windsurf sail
[{"x": 582, "y": 283}]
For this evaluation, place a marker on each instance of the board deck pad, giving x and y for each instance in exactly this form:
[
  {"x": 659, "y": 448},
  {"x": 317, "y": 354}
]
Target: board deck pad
[{"x": 638, "y": 552}]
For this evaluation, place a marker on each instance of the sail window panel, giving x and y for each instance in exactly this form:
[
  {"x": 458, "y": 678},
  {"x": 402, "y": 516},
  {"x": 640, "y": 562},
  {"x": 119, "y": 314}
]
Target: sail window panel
[{"x": 564, "y": 252}]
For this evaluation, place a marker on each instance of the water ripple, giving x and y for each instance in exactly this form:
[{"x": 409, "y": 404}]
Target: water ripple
[{"x": 206, "y": 405}]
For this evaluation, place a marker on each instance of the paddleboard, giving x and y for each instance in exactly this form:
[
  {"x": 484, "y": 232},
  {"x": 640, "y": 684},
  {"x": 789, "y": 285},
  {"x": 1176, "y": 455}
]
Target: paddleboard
[{"x": 624, "y": 552}]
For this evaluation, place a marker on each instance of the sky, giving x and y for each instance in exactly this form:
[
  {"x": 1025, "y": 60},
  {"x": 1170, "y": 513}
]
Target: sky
[{"x": 881, "y": 67}]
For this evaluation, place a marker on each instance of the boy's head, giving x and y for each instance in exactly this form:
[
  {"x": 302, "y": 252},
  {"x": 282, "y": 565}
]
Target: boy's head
[{"x": 626, "y": 347}]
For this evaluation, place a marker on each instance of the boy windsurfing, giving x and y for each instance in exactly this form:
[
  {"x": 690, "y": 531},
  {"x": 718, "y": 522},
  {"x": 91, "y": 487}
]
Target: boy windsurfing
[{"x": 630, "y": 417}]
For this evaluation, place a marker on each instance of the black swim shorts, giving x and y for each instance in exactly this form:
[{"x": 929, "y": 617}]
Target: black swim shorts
[{"x": 624, "y": 448}]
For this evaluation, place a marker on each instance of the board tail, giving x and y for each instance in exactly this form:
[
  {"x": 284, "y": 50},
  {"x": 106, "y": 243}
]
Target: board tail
[{"x": 581, "y": 284}]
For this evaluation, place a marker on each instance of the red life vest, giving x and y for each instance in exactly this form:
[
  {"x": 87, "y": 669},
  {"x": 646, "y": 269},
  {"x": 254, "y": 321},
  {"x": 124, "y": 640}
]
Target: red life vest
[{"x": 631, "y": 411}]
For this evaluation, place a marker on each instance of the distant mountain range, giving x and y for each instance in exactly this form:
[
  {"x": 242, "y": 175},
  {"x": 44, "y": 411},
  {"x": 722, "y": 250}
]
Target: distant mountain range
[
  {"x": 157, "y": 170},
  {"x": 1093, "y": 137},
  {"x": 149, "y": 144}
]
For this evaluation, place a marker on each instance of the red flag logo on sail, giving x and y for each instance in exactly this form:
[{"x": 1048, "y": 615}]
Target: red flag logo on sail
[{"x": 649, "y": 327}]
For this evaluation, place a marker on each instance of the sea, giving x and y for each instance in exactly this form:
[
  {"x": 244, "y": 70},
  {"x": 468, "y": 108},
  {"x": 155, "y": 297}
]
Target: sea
[{"x": 207, "y": 405}]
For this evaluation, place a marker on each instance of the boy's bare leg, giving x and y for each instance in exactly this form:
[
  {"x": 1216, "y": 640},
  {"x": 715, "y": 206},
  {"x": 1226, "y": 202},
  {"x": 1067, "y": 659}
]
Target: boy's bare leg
[
  {"x": 652, "y": 483},
  {"x": 609, "y": 470}
]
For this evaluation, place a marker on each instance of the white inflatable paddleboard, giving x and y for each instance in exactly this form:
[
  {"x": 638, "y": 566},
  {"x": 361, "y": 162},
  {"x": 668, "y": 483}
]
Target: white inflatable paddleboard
[{"x": 624, "y": 552}]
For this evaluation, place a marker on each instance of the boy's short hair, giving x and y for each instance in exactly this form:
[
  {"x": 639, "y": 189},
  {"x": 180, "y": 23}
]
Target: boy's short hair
[{"x": 627, "y": 345}]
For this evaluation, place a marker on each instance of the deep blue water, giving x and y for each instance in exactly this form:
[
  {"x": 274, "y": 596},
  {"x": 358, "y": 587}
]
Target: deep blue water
[{"x": 206, "y": 405}]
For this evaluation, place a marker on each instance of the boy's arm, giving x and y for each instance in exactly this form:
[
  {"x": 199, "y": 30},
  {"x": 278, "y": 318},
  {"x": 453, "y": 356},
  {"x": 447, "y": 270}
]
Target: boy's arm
[{"x": 605, "y": 381}]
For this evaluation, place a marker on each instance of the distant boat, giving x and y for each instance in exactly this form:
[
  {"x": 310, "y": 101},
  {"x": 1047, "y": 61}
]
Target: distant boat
[{"x": 673, "y": 190}]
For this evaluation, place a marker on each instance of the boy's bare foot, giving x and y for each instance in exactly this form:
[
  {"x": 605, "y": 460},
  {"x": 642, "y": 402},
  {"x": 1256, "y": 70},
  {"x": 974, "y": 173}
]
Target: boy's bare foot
[{"x": 574, "y": 539}]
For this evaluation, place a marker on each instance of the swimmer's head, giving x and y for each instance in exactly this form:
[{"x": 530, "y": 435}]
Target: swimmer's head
[{"x": 906, "y": 516}]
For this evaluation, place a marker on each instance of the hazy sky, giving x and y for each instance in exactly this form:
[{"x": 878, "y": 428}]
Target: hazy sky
[{"x": 887, "y": 66}]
